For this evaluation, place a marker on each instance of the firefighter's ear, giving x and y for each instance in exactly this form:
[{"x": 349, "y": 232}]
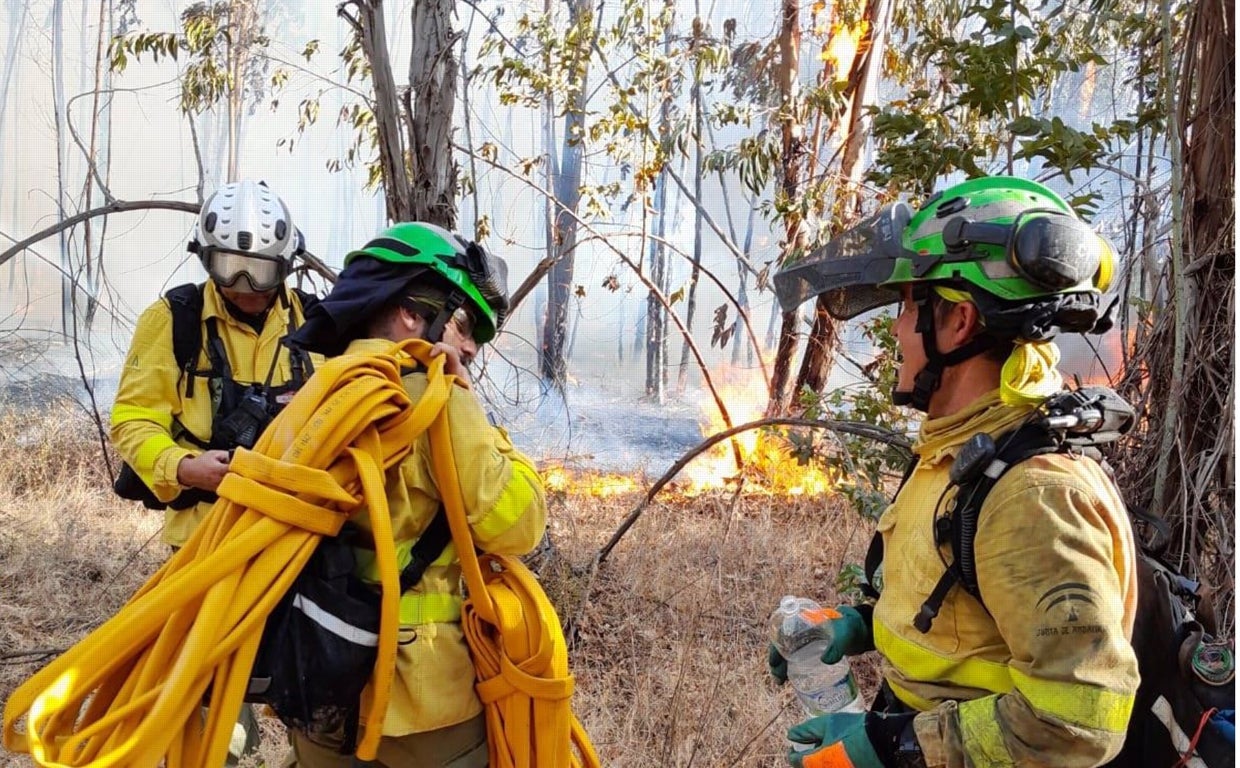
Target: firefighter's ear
[
  {"x": 407, "y": 323},
  {"x": 956, "y": 323}
]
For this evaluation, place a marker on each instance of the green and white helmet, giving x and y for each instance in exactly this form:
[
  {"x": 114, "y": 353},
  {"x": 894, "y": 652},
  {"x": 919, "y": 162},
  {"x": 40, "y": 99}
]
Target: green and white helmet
[
  {"x": 468, "y": 274},
  {"x": 1011, "y": 246}
]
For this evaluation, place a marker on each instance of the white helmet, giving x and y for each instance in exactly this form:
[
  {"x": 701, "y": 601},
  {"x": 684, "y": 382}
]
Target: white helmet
[{"x": 245, "y": 231}]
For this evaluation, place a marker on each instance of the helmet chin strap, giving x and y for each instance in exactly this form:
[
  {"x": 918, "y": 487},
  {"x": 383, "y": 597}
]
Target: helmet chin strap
[
  {"x": 930, "y": 378},
  {"x": 455, "y": 300}
]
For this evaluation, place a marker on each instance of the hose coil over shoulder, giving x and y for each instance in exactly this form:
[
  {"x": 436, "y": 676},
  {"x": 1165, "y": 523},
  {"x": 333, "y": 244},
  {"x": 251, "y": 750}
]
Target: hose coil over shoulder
[{"x": 129, "y": 694}]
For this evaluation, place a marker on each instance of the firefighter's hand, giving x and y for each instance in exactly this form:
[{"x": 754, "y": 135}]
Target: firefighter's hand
[
  {"x": 204, "y": 471},
  {"x": 777, "y": 664},
  {"x": 848, "y": 740},
  {"x": 851, "y": 635},
  {"x": 452, "y": 364}
]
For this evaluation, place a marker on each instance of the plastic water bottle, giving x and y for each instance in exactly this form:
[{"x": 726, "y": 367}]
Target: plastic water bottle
[{"x": 801, "y": 630}]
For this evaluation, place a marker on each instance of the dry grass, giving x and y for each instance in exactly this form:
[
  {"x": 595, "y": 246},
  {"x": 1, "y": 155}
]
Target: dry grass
[{"x": 668, "y": 649}]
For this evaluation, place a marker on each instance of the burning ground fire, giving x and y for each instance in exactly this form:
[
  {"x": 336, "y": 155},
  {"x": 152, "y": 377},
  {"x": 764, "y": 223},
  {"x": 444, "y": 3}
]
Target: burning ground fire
[{"x": 770, "y": 467}]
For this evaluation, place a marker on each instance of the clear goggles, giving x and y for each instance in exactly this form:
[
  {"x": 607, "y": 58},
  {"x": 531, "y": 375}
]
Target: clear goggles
[
  {"x": 463, "y": 319},
  {"x": 465, "y": 322},
  {"x": 228, "y": 268}
]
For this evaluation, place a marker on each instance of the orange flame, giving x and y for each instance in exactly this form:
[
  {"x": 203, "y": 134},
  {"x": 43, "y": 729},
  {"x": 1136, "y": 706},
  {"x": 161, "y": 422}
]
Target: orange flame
[
  {"x": 841, "y": 47},
  {"x": 769, "y": 463},
  {"x": 564, "y": 480},
  {"x": 770, "y": 467}
]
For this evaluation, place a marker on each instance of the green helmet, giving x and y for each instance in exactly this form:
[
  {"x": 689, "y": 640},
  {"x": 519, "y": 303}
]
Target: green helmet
[
  {"x": 1010, "y": 246},
  {"x": 469, "y": 274},
  {"x": 1009, "y": 237},
  {"x": 1013, "y": 245}
]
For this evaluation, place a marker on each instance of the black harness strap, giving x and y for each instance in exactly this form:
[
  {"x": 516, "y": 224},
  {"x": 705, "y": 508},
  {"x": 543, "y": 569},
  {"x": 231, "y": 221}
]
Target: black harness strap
[
  {"x": 930, "y": 377},
  {"x": 429, "y": 546},
  {"x": 961, "y": 527}
]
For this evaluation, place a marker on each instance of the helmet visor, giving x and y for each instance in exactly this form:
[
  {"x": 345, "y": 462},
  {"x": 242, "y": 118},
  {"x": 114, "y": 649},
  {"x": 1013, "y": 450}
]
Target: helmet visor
[
  {"x": 849, "y": 268},
  {"x": 260, "y": 273}
]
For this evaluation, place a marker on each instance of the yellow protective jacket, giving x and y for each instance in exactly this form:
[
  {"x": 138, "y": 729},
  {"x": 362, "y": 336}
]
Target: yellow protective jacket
[
  {"x": 1048, "y": 676},
  {"x": 152, "y": 412},
  {"x": 507, "y": 514}
]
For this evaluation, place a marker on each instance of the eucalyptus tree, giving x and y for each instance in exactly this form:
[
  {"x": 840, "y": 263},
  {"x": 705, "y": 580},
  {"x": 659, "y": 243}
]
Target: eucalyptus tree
[{"x": 226, "y": 72}]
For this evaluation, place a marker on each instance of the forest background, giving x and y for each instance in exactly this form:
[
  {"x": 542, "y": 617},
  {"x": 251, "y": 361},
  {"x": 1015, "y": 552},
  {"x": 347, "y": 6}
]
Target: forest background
[{"x": 644, "y": 167}]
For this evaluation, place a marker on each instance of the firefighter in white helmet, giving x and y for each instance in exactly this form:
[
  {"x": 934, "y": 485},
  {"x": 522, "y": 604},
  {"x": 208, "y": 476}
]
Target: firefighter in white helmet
[{"x": 207, "y": 368}]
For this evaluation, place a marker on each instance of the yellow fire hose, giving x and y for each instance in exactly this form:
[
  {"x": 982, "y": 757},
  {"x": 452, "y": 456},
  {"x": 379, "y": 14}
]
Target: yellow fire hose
[
  {"x": 517, "y": 646},
  {"x": 198, "y": 621},
  {"x": 129, "y": 694}
]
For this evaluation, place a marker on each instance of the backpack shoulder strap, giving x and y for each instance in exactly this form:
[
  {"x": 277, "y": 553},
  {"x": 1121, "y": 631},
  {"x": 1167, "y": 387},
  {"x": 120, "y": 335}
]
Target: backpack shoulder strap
[
  {"x": 426, "y": 550},
  {"x": 965, "y": 510},
  {"x": 185, "y": 302},
  {"x": 299, "y": 359}
]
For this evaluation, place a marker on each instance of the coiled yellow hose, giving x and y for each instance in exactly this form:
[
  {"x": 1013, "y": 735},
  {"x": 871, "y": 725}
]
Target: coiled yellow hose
[
  {"x": 129, "y": 694},
  {"x": 518, "y": 649}
]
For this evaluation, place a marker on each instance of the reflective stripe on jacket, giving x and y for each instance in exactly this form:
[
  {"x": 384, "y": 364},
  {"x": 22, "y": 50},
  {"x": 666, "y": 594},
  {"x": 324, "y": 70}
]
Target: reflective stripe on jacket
[
  {"x": 507, "y": 514},
  {"x": 152, "y": 412},
  {"x": 1048, "y": 676}
]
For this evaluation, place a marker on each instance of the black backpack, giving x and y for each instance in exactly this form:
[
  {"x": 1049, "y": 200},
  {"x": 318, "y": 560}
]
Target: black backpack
[
  {"x": 186, "y": 303},
  {"x": 320, "y": 642},
  {"x": 1186, "y": 677}
]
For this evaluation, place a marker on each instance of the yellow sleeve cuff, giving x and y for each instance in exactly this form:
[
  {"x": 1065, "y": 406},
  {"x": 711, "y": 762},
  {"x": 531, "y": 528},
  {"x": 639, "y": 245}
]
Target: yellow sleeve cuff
[{"x": 164, "y": 477}]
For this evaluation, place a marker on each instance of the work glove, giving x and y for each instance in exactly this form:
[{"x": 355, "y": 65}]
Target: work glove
[
  {"x": 778, "y": 665},
  {"x": 850, "y": 635},
  {"x": 848, "y": 740}
]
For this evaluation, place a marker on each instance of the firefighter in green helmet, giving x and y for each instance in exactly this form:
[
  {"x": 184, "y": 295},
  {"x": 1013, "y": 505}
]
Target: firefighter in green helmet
[
  {"x": 986, "y": 273},
  {"x": 417, "y": 280}
]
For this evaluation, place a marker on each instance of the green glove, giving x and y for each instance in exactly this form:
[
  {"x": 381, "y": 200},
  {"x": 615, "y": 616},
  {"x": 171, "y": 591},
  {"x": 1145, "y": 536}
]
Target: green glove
[
  {"x": 848, "y": 740},
  {"x": 777, "y": 664},
  {"x": 850, "y": 634}
]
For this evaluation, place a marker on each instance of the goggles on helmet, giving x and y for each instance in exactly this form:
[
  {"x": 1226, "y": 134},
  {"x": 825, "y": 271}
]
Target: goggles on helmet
[{"x": 228, "y": 267}]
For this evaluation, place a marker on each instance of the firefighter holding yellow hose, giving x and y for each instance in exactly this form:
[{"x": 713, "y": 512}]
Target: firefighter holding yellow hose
[
  {"x": 207, "y": 368},
  {"x": 418, "y": 281}
]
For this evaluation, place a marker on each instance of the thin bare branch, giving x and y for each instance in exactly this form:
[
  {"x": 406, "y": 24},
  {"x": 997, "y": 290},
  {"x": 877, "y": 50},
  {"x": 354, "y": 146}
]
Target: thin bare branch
[{"x": 122, "y": 206}]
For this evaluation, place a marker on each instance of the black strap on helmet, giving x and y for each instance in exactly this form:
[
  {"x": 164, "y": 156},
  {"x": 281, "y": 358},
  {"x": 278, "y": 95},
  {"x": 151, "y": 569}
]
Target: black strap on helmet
[
  {"x": 930, "y": 378},
  {"x": 455, "y": 300}
]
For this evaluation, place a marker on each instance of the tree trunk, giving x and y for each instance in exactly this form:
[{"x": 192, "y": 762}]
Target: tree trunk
[
  {"x": 862, "y": 84},
  {"x": 432, "y": 84},
  {"x": 698, "y": 171},
  {"x": 656, "y": 348},
  {"x": 551, "y": 170},
  {"x": 466, "y": 79},
  {"x": 68, "y": 321},
  {"x": 794, "y": 149},
  {"x": 93, "y": 263},
  {"x": 742, "y": 296},
  {"x": 17, "y": 10},
  {"x": 372, "y": 30},
  {"x": 567, "y": 190},
  {"x": 1193, "y": 458},
  {"x": 656, "y": 313}
]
